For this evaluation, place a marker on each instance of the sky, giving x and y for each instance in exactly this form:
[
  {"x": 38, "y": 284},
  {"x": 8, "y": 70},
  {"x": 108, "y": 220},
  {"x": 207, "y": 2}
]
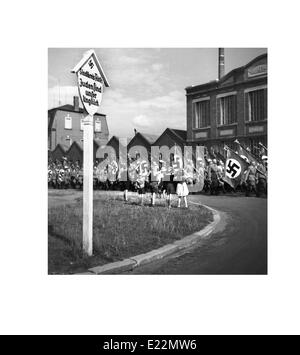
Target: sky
[{"x": 147, "y": 85}]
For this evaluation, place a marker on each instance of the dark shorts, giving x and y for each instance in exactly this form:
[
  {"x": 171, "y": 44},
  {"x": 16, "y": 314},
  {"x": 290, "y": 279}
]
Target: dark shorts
[
  {"x": 126, "y": 185},
  {"x": 171, "y": 188},
  {"x": 141, "y": 190},
  {"x": 154, "y": 187}
]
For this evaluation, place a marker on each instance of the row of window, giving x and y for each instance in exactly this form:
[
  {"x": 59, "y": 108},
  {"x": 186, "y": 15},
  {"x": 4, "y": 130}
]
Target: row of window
[
  {"x": 68, "y": 123},
  {"x": 256, "y": 109}
]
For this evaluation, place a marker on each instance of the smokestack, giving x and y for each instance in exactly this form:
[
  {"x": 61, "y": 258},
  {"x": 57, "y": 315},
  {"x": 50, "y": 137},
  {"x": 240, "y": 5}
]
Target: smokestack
[
  {"x": 76, "y": 103},
  {"x": 221, "y": 63}
]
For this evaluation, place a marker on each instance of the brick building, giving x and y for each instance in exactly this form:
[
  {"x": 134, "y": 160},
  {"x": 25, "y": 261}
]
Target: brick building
[
  {"x": 65, "y": 126},
  {"x": 232, "y": 107}
]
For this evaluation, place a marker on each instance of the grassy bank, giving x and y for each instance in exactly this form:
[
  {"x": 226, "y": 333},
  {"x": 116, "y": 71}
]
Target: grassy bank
[{"x": 120, "y": 230}]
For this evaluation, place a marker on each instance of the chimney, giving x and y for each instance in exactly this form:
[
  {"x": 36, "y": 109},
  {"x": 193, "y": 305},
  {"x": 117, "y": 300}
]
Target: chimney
[
  {"x": 221, "y": 63},
  {"x": 135, "y": 131},
  {"x": 76, "y": 103}
]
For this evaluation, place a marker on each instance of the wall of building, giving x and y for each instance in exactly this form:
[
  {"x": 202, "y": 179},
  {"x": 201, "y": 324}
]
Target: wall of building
[
  {"x": 60, "y": 135},
  {"x": 239, "y": 81}
]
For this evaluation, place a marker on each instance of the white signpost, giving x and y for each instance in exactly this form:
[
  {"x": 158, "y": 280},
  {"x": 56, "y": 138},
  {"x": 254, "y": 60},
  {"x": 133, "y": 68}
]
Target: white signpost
[{"x": 91, "y": 81}]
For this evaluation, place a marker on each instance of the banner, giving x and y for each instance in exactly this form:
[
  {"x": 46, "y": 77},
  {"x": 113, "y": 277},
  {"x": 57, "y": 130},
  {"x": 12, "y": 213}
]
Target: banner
[
  {"x": 235, "y": 168},
  {"x": 244, "y": 153}
]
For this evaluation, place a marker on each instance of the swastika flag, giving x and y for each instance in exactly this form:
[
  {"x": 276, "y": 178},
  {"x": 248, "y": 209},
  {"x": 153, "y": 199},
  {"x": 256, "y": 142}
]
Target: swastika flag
[
  {"x": 235, "y": 168},
  {"x": 246, "y": 155}
]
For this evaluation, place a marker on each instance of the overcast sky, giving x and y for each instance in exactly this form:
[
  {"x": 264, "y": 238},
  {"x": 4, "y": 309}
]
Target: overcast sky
[{"x": 146, "y": 85}]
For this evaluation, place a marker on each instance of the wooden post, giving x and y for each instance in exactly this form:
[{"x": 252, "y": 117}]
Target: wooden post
[
  {"x": 88, "y": 133},
  {"x": 91, "y": 81}
]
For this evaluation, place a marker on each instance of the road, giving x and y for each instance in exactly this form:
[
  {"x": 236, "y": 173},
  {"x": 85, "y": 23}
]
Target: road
[{"x": 238, "y": 246}]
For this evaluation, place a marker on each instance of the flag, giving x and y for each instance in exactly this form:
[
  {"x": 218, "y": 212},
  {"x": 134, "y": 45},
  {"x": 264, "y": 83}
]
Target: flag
[
  {"x": 264, "y": 147},
  {"x": 207, "y": 155},
  {"x": 235, "y": 168},
  {"x": 220, "y": 157},
  {"x": 245, "y": 153}
]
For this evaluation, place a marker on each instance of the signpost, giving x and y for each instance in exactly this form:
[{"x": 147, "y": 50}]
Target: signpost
[{"x": 91, "y": 81}]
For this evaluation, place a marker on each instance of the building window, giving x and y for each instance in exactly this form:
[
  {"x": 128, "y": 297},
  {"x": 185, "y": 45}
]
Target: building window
[
  {"x": 202, "y": 114},
  {"x": 97, "y": 125},
  {"x": 227, "y": 106},
  {"x": 81, "y": 124},
  {"x": 68, "y": 122},
  {"x": 69, "y": 140},
  {"x": 257, "y": 105}
]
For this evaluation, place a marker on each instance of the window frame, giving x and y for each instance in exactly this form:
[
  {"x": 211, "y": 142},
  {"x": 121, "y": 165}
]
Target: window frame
[
  {"x": 82, "y": 124},
  {"x": 248, "y": 103},
  {"x": 219, "y": 97},
  {"x": 68, "y": 117},
  {"x": 197, "y": 120},
  {"x": 99, "y": 121}
]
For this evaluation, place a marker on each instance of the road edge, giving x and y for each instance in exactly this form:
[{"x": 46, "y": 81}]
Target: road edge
[{"x": 157, "y": 254}]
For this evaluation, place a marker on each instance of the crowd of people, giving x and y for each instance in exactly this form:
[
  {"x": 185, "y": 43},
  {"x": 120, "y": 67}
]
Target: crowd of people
[{"x": 159, "y": 179}]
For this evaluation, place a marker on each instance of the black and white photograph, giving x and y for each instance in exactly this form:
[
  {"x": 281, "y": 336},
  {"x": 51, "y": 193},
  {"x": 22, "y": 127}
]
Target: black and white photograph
[
  {"x": 157, "y": 161},
  {"x": 150, "y": 175}
]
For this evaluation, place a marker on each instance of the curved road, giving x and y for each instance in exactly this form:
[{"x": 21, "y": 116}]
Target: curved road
[{"x": 238, "y": 245}]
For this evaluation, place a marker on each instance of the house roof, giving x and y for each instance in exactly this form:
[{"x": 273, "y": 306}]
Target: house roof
[
  {"x": 70, "y": 108},
  {"x": 120, "y": 140},
  {"x": 81, "y": 143},
  {"x": 151, "y": 138},
  {"x": 63, "y": 147},
  {"x": 75, "y": 143},
  {"x": 180, "y": 133}
]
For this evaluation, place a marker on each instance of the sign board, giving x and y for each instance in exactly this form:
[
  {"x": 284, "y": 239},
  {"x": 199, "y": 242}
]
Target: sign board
[
  {"x": 255, "y": 129},
  {"x": 226, "y": 132},
  {"x": 257, "y": 70},
  {"x": 91, "y": 80},
  {"x": 201, "y": 135}
]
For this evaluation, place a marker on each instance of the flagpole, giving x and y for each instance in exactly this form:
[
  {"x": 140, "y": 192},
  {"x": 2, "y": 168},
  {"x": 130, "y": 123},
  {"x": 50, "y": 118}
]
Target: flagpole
[
  {"x": 263, "y": 146},
  {"x": 250, "y": 153}
]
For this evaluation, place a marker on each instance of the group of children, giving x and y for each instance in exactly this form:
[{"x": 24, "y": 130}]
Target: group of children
[{"x": 160, "y": 180}]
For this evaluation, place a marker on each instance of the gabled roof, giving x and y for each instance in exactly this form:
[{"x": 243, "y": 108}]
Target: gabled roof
[
  {"x": 64, "y": 148},
  {"x": 118, "y": 139},
  {"x": 178, "y": 133},
  {"x": 148, "y": 138},
  {"x": 151, "y": 138},
  {"x": 75, "y": 143},
  {"x": 81, "y": 143}
]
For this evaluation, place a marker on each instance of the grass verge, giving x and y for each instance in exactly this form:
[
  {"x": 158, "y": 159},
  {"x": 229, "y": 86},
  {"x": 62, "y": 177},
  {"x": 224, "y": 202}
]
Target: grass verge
[{"x": 120, "y": 230}]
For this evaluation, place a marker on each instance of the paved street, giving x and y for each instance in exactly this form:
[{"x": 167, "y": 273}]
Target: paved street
[{"x": 238, "y": 246}]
